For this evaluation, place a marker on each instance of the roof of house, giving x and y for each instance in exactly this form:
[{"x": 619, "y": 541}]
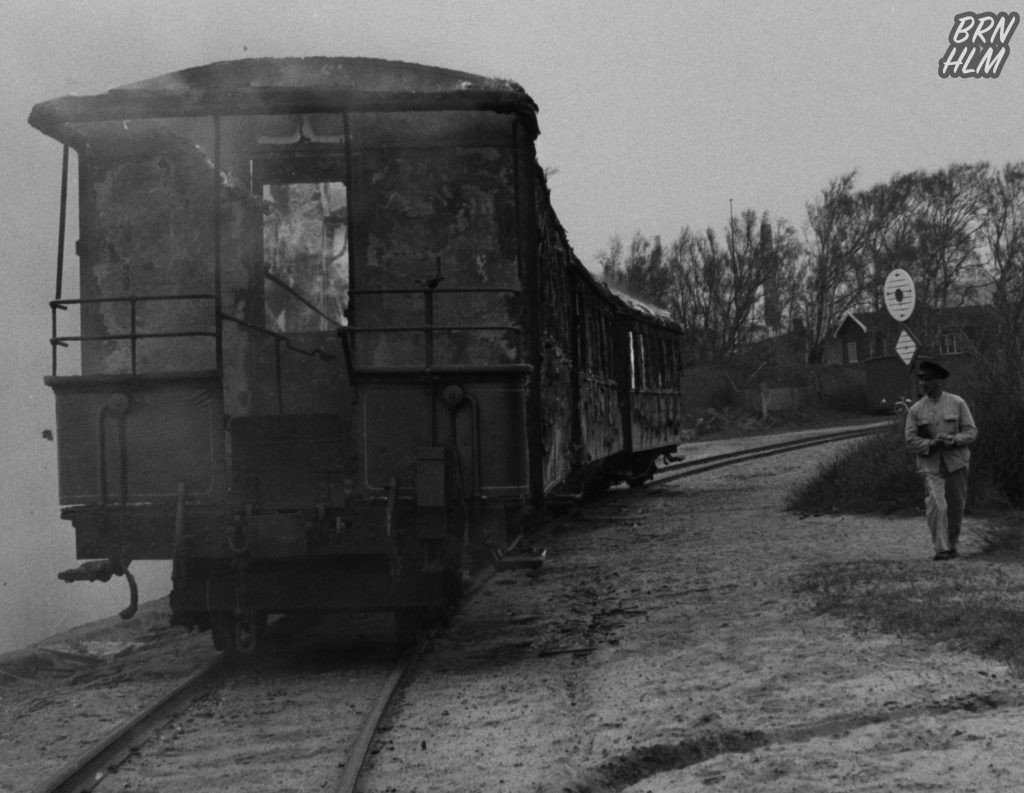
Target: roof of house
[
  {"x": 861, "y": 321},
  {"x": 869, "y": 321}
]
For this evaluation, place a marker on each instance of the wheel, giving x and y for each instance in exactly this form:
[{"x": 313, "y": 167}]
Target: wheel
[
  {"x": 641, "y": 474},
  {"x": 237, "y": 634}
]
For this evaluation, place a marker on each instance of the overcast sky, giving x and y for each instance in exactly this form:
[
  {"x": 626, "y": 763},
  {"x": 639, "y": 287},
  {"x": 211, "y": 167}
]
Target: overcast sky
[{"x": 655, "y": 115}]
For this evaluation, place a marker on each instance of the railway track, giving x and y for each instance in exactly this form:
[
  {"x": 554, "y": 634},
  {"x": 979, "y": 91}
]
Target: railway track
[
  {"x": 699, "y": 465},
  {"x": 87, "y": 770},
  {"x": 182, "y": 741}
]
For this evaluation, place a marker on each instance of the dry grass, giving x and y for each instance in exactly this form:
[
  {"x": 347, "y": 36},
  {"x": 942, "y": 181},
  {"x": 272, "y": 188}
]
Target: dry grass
[
  {"x": 874, "y": 475},
  {"x": 975, "y": 604}
]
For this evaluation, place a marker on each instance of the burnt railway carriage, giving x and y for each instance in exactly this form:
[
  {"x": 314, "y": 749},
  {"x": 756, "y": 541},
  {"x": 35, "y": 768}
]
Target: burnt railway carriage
[{"x": 329, "y": 344}]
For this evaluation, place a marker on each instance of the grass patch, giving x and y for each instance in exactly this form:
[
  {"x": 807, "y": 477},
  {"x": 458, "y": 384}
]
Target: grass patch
[
  {"x": 1003, "y": 537},
  {"x": 873, "y": 475},
  {"x": 975, "y": 604}
]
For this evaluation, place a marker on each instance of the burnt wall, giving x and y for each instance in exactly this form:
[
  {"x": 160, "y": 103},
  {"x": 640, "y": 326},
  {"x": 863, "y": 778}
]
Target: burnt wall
[
  {"x": 147, "y": 230},
  {"x": 433, "y": 212},
  {"x": 555, "y": 316}
]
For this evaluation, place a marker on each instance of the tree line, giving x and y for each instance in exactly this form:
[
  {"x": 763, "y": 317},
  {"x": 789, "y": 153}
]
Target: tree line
[{"x": 957, "y": 231}]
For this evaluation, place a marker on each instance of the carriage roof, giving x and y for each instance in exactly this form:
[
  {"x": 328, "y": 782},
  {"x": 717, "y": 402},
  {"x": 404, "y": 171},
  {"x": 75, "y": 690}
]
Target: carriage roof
[{"x": 263, "y": 86}]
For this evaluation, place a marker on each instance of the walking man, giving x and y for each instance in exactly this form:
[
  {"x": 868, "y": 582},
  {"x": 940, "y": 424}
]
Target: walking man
[{"x": 938, "y": 431}]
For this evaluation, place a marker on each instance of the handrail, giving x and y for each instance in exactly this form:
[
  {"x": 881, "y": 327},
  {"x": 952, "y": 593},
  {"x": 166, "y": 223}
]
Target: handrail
[
  {"x": 133, "y": 335},
  {"x": 67, "y": 301},
  {"x": 421, "y": 328},
  {"x": 438, "y": 290},
  {"x": 430, "y": 290}
]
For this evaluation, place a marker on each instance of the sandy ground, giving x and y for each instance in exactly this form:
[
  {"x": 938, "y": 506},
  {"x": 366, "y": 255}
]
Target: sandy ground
[{"x": 662, "y": 647}]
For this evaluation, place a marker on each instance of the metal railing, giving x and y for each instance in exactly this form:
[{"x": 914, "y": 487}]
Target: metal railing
[
  {"x": 429, "y": 328},
  {"x": 132, "y": 335}
]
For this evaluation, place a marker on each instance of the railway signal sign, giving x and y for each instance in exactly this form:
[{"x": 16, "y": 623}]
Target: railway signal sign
[
  {"x": 899, "y": 295},
  {"x": 906, "y": 346}
]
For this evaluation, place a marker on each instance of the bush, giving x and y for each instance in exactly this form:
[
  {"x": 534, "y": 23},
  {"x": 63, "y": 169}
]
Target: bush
[
  {"x": 874, "y": 475},
  {"x": 994, "y": 389}
]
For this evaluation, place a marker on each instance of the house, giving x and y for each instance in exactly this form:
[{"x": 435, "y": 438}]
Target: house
[{"x": 866, "y": 342}]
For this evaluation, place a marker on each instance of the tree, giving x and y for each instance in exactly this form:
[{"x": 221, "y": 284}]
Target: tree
[
  {"x": 837, "y": 275},
  {"x": 946, "y": 221},
  {"x": 640, "y": 272},
  {"x": 719, "y": 286},
  {"x": 1001, "y": 232}
]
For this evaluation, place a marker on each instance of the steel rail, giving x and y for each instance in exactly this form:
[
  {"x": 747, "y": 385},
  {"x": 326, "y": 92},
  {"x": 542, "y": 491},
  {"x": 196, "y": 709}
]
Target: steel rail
[
  {"x": 90, "y": 768},
  {"x": 359, "y": 749},
  {"x": 87, "y": 771},
  {"x": 693, "y": 467}
]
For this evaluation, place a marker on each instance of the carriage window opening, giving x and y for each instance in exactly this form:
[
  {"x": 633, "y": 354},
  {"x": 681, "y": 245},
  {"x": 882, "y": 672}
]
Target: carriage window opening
[
  {"x": 636, "y": 360},
  {"x": 305, "y": 255},
  {"x": 632, "y": 360},
  {"x": 604, "y": 362},
  {"x": 642, "y": 364},
  {"x": 668, "y": 364},
  {"x": 649, "y": 362},
  {"x": 658, "y": 355}
]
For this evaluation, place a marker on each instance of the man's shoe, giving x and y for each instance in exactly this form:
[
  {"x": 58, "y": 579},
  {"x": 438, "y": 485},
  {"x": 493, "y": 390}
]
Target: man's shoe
[{"x": 942, "y": 556}]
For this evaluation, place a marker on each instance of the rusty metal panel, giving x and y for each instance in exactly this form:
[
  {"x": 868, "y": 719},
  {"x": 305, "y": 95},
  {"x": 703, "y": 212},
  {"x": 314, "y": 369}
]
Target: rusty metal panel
[
  {"x": 500, "y": 446},
  {"x": 656, "y": 419},
  {"x": 554, "y": 300},
  {"x": 601, "y": 418},
  {"x": 439, "y": 221},
  {"x": 290, "y": 462},
  {"x": 147, "y": 218},
  {"x": 147, "y": 532},
  {"x": 136, "y": 439},
  {"x": 393, "y": 422}
]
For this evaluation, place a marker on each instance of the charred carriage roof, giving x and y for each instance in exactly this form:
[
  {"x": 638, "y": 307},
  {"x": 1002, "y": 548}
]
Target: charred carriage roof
[{"x": 259, "y": 86}]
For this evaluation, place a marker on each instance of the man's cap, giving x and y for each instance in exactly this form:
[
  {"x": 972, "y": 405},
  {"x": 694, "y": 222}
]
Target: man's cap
[{"x": 929, "y": 370}]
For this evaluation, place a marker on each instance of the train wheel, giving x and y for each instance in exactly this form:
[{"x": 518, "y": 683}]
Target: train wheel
[
  {"x": 639, "y": 478},
  {"x": 237, "y": 634},
  {"x": 249, "y": 630}
]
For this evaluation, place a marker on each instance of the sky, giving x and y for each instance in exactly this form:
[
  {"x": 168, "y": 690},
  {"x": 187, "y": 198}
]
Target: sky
[{"x": 653, "y": 115}]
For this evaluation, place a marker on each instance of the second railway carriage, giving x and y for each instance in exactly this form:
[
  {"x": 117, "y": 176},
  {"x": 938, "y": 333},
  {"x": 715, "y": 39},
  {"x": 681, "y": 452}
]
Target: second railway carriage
[{"x": 325, "y": 345}]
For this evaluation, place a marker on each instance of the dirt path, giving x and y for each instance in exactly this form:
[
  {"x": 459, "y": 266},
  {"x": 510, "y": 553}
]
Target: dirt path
[{"x": 662, "y": 648}]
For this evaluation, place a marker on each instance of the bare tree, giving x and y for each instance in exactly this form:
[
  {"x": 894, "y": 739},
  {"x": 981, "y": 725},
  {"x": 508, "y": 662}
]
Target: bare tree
[
  {"x": 946, "y": 221},
  {"x": 837, "y": 275},
  {"x": 719, "y": 286},
  {"x": 1002, "y": 233},
  {"x": 640, "y": 271}
]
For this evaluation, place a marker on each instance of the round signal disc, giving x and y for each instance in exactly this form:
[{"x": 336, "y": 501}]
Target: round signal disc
[{"x": 899, "y": 295}]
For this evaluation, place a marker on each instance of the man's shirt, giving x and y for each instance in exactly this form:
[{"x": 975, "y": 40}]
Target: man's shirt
[{"x": 929, "y": 418}]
